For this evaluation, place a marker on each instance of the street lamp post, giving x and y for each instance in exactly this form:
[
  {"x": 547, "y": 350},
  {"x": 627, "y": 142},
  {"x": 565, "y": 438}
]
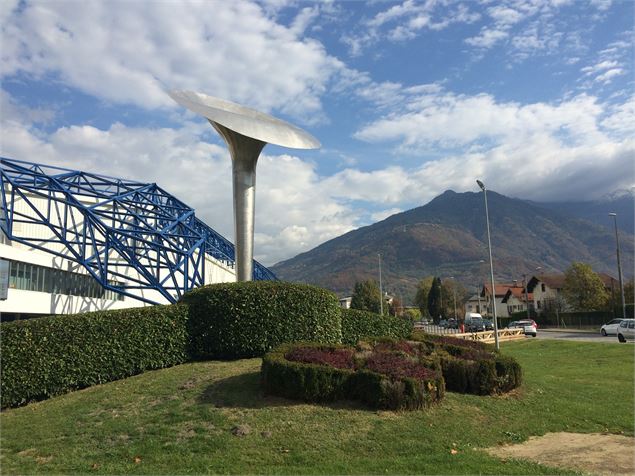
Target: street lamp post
[
  {"x": 619, "y": 265},
  {"x": 454, "y": 292},
  {"x": 381, "y": 292},
  {"x": 491, "y": 264}
]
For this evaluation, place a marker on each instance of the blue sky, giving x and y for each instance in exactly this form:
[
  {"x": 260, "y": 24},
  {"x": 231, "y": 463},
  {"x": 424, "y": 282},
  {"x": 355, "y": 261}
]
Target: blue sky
[{"x": 409, "y": 99}]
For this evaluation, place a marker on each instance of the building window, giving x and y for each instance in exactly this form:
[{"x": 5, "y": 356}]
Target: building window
[
  {"x": 542, "y": 286},
  {"x": 32, "y": 277}
]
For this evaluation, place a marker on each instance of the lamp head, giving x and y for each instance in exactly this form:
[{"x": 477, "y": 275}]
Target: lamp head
[
  {"x": 612, "y": 214},
  {"x": 480, "y": 184}
]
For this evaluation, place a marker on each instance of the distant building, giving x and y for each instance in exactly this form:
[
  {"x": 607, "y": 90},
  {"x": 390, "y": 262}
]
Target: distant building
[
  {"x": 474, "y": 304},
  {"x": 345, "y": 302},
  {"x": 516, "y": 300},
  {"x": 499, "y": 296},
  {"x": 546, "y": 289}
]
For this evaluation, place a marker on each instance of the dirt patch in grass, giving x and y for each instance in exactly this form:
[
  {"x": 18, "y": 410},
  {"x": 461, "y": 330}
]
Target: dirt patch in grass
[{"x": 592, "y": 453}]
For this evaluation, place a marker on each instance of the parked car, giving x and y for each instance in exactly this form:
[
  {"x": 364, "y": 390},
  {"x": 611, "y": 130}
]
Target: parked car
[
  {"x": 443, "y": 323},
  {"x": 610, "y": 327},
  {"x": 475, "y": 325},
  {"x": 489, "y": 325},
  {"x": 529, "y": 325},
  {"x": 626, "y": 330},
  {"x": 453, "y": 324}
]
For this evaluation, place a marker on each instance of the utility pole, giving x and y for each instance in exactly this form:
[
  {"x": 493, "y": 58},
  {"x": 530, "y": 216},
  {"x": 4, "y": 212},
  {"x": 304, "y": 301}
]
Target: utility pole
[
  {"x": 491, "y": 264},
  {"x": 381, "y": 292},
  {"x": 619, "y": 265}
]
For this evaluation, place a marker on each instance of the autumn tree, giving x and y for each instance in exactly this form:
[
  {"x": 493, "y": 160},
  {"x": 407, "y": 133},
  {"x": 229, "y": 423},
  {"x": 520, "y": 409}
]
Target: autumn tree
[
  {"x": 366, "y": 296},
  {"x": 583, "y": 288},
  {"x": 450, "y": 289},
  {"x": 421, "y": 296},
  {"x": 396, "y": 307},
  {"x": 434, "y": 300},
  {"x": 629, "y": 294}
]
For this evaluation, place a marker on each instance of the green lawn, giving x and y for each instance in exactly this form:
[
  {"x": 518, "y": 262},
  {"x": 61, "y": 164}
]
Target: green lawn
[{"x": 179, "y": 420}]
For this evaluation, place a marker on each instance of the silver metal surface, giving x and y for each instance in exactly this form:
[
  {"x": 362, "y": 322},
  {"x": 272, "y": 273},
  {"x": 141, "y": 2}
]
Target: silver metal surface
[
  {"x": 246, "y": 121},
  {"x": 491, "y": 265},
  {"x": 246, "y": 132},
  {"x": 619, "y": 266}
]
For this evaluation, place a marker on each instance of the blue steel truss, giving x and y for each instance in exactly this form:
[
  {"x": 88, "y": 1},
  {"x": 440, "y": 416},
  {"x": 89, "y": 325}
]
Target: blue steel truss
[{"x": 129, "y": 236}]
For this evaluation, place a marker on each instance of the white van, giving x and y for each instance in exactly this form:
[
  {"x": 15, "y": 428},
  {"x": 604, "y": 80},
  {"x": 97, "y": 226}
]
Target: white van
[{"x": 472, "y": 315}]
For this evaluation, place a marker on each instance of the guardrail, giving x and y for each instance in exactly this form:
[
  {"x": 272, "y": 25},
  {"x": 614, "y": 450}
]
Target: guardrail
[{"x": 486, "y": 337}]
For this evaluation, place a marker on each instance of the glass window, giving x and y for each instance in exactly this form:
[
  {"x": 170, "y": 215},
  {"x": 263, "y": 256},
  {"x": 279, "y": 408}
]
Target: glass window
[{"x": 631, "y": 325}]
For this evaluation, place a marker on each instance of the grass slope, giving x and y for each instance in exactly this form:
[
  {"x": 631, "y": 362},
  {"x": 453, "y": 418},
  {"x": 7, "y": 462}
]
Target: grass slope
[{"x": 179, "y": 421}]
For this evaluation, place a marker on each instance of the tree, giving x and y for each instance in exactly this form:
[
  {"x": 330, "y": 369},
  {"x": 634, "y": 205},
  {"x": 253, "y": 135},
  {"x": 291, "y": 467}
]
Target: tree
[
  {"x": 421, "y": 297},
  {"x": 434, "y": 300},
  {"x": 629, "y": 294},
  {"x": 366, "y": 296},
  {"x": 396, "y": 308},
  {"x": 583, "y": 288},
  {"x": 412, "y": 314},
  {"x": 449, "y": 289}
]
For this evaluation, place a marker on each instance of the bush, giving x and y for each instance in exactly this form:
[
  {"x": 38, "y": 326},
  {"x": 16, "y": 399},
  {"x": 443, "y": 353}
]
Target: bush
[
  {"x": 310, "y": 382},
  {"x": 473, "y": 367},
  {"x": 52, "y": 355},
  {"x": 358, "y": 325},
  {"x": 385, "y": 377},
  {"x": 247, "y": 319}
]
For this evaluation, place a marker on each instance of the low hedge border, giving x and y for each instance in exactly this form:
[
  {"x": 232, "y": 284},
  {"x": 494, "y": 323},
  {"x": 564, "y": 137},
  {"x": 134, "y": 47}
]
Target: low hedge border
[
  {"x": 359, "y": 325},
  {"x": 313, "y": 382},
  {"x": 52, "y": 355},
  {"x": 473, "y": 367}
]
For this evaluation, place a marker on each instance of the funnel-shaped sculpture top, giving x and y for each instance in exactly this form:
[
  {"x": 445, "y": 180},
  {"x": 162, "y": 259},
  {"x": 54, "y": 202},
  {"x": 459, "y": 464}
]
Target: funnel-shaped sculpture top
[{"x": 246, "y": 121}]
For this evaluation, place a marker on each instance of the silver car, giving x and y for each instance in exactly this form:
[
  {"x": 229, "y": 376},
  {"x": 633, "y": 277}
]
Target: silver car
[
  {"x": 610, "y": 328},
  {"x": 528, "y": 325},
  {"x": 626, "y": 330}
]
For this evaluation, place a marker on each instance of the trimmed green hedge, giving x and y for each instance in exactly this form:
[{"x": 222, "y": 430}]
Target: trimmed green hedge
[
  {"x": 358, "y": 325},
  {"x": 473, "y": 367},
  {"x": 239, "y": 320},
  {"x": 312, "y": 382},
  {"x": 300, "y": 381},
  {"x": 52, "y": 355}
]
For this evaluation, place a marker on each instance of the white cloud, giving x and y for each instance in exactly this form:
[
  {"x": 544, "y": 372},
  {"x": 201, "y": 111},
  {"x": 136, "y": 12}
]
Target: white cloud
[
  {"x": 621, "y": 119},
  {"x": 608, "y": 76},
  {"x": 487, "y": 38},
  {"x": 602, "y": 66},
  {"x": 531, "y": 151},
  {"x": 134, "y": 54},
  {"x": 406, "y": 21}
]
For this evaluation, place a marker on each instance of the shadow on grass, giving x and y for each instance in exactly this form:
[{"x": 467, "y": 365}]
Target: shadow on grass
[{"x": 244, "y": 391}]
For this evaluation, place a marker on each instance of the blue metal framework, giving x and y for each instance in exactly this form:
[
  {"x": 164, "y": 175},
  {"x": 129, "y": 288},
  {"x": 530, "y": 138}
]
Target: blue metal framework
[{"x": 130, "y": 233}]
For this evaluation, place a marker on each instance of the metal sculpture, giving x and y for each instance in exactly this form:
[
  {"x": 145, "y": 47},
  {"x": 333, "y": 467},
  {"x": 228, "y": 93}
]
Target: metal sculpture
[
  {"x": 246, "y": 132},
  {"x": 119, "y": 230}
]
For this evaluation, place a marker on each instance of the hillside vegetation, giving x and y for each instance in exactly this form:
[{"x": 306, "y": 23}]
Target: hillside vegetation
[{"x": 447, "y": 237}]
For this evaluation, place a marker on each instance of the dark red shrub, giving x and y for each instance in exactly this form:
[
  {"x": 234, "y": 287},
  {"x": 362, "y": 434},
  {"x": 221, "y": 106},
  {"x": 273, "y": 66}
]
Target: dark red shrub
[
  {"x": 399, "y": 346},
  {"x": 397, "y": 366},
  {"x": 338, "y": 358}
]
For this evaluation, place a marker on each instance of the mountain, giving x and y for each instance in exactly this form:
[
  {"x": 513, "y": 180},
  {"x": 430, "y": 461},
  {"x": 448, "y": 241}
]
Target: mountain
[
  {"x": 596, "y": 211},
  {"x": 447, "y": 237}
]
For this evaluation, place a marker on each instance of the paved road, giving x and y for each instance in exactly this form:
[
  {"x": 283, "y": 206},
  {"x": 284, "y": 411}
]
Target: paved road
[{"x": 577, "y": 336}]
